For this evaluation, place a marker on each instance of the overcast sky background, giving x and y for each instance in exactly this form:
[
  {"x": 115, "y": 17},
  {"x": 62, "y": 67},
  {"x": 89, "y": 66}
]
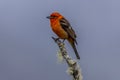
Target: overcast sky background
[{"x": 27, "y": 51}]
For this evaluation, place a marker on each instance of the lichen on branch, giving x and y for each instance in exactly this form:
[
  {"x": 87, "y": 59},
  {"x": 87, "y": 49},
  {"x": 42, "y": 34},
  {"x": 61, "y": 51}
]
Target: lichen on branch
[{"x": 73, "y": 67}]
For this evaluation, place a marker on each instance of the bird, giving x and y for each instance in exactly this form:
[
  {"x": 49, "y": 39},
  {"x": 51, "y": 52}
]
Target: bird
[{"x": 62, "y": 28}]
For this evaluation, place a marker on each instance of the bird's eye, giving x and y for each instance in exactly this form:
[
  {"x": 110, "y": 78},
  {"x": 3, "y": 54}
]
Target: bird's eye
[{"x": 54, "y": 16}]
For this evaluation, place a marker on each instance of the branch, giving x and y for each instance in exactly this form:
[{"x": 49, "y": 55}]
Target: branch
[{"x": 74, "y": 69}]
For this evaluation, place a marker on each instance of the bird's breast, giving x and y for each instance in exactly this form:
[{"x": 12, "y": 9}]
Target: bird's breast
[{"x": 61, "y": 33}]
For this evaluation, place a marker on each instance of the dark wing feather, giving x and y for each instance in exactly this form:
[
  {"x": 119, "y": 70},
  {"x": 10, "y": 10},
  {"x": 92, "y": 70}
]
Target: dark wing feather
[{"x": 67, "y": 27}]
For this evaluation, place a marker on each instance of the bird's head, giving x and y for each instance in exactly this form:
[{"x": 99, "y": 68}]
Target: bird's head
[{"x": 54, "y": 16}]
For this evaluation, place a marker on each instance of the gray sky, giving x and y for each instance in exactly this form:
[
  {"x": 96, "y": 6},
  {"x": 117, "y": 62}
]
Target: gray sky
[{"x": 27, "y": 51}]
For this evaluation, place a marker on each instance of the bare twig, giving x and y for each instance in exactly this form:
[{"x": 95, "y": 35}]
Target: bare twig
[{"x": 74, "y": 69}]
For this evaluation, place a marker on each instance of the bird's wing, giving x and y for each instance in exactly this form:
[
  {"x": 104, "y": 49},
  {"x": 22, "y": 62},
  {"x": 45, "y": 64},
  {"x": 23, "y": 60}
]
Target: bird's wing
[{"x": 67, "y": 27}]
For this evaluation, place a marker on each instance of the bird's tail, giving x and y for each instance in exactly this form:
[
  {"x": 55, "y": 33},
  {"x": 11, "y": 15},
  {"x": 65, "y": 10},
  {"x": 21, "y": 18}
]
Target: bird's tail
[{"x": 72, "y": 42}]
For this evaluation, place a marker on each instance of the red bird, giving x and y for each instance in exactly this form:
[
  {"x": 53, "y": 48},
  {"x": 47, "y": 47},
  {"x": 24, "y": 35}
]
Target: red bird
[{"x": 62, "y": 28}]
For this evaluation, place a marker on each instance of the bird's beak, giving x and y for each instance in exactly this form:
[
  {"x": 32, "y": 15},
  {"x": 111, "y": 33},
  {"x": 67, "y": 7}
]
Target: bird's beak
[{"x": 48, "y": 17}]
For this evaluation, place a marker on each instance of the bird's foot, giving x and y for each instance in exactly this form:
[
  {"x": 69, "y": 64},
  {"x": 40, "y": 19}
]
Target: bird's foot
[
  {"x": 63, "y": 40},
  {"x": 56, "y": 39}
]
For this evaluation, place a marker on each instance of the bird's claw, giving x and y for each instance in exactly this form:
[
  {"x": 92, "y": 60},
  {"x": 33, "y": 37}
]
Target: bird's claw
[{"x": 55, "y": 39}]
